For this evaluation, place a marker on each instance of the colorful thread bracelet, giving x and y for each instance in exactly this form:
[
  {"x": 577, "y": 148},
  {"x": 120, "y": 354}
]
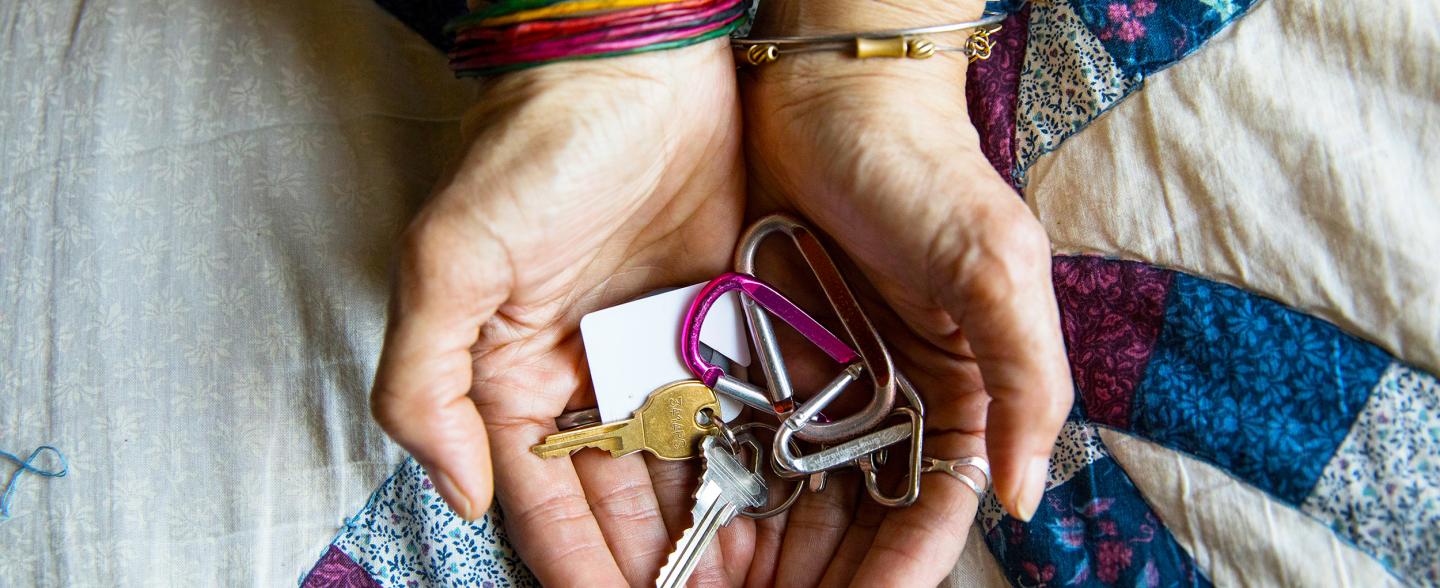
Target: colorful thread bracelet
[
  {"x": 679, "y": 22},
  {"x": 520, "y": 34},
  {"x": 543, "y": 29}
]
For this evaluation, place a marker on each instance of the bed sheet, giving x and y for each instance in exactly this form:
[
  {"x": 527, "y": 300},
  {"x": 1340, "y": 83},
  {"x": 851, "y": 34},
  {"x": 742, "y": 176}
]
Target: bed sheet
[{"x": 197, "y": 202}]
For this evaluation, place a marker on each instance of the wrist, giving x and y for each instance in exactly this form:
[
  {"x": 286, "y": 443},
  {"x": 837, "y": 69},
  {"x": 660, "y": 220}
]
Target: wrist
[{"x": 808, "y": 17}]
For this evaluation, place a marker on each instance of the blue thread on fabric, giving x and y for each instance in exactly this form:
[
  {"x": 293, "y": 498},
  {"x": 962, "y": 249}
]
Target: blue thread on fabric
[{"x": 26, "y": 466}]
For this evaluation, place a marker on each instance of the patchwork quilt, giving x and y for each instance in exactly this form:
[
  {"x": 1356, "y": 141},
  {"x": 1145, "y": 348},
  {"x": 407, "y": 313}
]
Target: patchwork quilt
[{"x": 1242, "y": 197}]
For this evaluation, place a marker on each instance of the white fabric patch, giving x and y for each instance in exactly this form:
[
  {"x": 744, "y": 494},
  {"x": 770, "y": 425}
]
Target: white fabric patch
[
  {"x": 1381, "y": 490},
  {"x": 1068, "y": 79}
]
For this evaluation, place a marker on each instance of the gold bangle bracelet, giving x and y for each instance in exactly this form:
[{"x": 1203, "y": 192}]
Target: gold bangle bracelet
[{"x": 899, "y": 43}]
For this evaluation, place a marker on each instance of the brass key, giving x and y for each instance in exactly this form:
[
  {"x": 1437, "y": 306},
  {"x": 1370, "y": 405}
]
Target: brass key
[{"x": 667, "y": 425}]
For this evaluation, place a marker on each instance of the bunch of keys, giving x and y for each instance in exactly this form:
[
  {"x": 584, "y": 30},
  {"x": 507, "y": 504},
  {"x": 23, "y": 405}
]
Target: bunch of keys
[{"x": 681, "y": 420}]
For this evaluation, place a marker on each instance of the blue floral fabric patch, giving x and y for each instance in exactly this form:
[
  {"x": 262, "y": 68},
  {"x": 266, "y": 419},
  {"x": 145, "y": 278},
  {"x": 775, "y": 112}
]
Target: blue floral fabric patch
[
  {"x": 1144, "y": 36},
  {"x": 406, "y": 536},
  {"x": 1093, "y": 530},
  {"x": 1259, "y": 389}
]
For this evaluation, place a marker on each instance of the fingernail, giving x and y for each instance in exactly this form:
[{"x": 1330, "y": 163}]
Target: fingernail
[
  {"x": 1032, "y": 488},
  {"x": 459, "y": 502}
]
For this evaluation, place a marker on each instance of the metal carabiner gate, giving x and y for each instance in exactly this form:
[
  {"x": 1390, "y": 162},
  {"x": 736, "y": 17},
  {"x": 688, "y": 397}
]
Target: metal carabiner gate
[{"x": 870, "y": 348}]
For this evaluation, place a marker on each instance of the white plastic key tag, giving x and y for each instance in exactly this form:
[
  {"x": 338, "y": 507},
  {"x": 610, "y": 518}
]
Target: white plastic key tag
[{"x": 634, "y": 348}]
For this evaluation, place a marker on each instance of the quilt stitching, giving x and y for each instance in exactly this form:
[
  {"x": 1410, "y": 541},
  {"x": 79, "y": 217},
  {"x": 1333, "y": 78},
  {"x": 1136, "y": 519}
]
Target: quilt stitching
[
  {"x": 1093, "y": 530},
  {"x": 991, "y": 91},
  {"x": 1068, "y": 79},
  {"x": 1075, "y": 450},
  {"x": 1381, "y": 490},
  {"x": 1263, "y": 391},
  {"x": 1111, "y": 313}
]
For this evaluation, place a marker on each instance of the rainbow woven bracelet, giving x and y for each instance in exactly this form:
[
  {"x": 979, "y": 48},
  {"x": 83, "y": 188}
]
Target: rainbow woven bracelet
[{"x": 520, "y": 34}]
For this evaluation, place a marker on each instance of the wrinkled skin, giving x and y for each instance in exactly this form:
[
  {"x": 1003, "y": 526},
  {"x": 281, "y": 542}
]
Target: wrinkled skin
[
  {"x": 881, "y": 155},
  {"x": 587, "y": 184}
]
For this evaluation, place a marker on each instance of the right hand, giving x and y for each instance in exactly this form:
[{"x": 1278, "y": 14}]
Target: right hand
[{"x": 585, "y": 184}]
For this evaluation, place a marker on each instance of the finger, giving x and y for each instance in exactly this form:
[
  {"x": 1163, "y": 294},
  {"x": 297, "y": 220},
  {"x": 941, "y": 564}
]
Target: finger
[
  {"x": 1004, "y": 302},
  {"x": 918, "y": 545},
  {"x": 546, "y": 509},
  {"x": 727, "y": 557},
  {"x": 769, "y": 536},
  {"x": 855, "y": 545},
  {"x": 814, "y": 529},
  {"x": 621, "y": 496},
  {"x": 737, "y": 550},
  {"x": 448, "y": 283}
]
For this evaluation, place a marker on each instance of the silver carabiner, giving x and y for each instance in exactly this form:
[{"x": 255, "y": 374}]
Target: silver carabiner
[
  {"x": 867, "y": 464},
  {"x": 869, "y": 346},
  {"x": 789, "y": 464}
]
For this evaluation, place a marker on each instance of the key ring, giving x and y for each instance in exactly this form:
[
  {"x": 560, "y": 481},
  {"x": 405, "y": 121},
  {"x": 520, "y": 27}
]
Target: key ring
[
  {"x": 722, "y": 430},
  {"x": 745, "y": 435},
  {"x": 871, "y": 348}
]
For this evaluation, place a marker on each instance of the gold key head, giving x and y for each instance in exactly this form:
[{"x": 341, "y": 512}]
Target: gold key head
[
  {"x": 671, "y": 419},
  {"x": 667, "y": 425}
]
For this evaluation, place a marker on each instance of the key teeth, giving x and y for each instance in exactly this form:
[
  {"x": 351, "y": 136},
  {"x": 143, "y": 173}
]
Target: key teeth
[
  {"x": 552, "y": 454},
  {"x": 673, "y": 559}
]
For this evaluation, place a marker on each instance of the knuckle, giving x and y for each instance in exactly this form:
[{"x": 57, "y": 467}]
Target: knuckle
[
  {"x": 900, "y": 561},
  {"x": 553, "y": 510},
  {"x": 392, "y": 409},
  {"x": 436, "y": 257},
  {"x": 709, "y": 573},
  {"x": 1020, "y": 234},
  {"x": 632, "y": 501},
  {"x": 422, "y": 245},
  {"x": 1009, "y": 254}
]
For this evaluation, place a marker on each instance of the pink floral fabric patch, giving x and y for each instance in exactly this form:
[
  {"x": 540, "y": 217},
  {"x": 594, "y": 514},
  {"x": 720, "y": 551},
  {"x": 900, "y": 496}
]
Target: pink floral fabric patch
[
  {"x": 337, "y": 570},
  {"x": 1111, "y": 313}
]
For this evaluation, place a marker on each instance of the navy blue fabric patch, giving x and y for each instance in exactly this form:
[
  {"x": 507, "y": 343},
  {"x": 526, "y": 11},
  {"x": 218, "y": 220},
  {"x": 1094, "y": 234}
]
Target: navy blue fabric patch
[
  {"x": 1144, "y": 36},
  {"x": 1093, "y": 530},
  {"x": 427, "y": 17},
  {"x": 1263, "y": 391}
]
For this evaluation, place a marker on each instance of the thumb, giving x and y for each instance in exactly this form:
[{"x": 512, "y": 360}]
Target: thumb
[
  {"x": 448, "y": 284},
  {"x": 1001, "y": 296}
]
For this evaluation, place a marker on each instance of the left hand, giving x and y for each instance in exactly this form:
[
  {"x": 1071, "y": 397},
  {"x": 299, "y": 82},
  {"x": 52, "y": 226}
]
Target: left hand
[{"x": 881, "y": 155}]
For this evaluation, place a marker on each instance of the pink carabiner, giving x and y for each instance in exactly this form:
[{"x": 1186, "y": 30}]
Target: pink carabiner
[{"x": 768, "y": 298}]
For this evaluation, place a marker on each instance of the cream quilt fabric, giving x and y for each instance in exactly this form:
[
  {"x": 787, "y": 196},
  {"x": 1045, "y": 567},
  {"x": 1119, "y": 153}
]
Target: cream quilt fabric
[
  {"x": 1296, "y": 155},
  {"x": 197, "y": 201}
]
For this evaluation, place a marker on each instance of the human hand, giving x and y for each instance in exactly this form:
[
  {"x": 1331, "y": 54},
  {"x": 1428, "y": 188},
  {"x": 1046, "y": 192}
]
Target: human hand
[
  {"x": 586, "y": 184},
  {"x": 881, "y": 155}
]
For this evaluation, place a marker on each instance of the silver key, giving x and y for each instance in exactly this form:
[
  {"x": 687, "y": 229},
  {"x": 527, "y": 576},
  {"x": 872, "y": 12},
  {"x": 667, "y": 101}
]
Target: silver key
[{"x": 726, "y": 487}]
